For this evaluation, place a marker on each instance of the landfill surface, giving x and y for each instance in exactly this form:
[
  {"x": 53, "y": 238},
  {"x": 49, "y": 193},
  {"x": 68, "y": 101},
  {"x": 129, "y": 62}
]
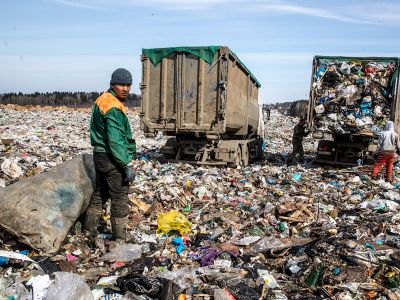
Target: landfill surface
[{"x": 266, "y": 231}]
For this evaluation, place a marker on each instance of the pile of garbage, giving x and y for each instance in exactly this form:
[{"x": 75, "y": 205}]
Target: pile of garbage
[
  {"x": 353, "y": 96},
  {"x": 266, "y": 231},
  {"x": 47, "y": 137}
]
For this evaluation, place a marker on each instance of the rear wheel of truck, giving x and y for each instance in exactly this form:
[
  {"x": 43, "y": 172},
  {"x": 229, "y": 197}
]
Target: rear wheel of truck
[{"x": 169, "y": 150}]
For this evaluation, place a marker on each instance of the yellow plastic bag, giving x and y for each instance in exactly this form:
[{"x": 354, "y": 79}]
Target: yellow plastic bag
[{"x": 173, "y": 220}]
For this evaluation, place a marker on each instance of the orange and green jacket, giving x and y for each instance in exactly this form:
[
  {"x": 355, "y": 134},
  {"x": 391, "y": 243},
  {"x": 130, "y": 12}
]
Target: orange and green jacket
[{"x": 110, "y": 131}]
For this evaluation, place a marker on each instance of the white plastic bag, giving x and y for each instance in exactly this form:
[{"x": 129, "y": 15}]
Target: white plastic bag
[
  {"x": 124, "y": 253},
  {"x": 40, "y": 285},
  {"x": 319, "y": 109},
  {"x": 69, "y": 286}
]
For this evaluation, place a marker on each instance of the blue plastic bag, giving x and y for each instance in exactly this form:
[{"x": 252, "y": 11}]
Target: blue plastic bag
[
  {"x": 296, "y": 176},
  {"x": 178, "y": 242}
]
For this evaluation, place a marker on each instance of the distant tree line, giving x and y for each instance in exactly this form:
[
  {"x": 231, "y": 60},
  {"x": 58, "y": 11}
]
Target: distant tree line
[{"x": 70, "y": 99}]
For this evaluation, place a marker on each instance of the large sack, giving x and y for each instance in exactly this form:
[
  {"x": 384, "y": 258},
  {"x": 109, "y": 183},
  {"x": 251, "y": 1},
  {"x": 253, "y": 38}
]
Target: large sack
[{"x": 40, "y": 210}]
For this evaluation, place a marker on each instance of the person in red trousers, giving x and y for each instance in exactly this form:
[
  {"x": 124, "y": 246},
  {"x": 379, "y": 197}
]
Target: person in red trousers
[{"x": 388, "y": 145}]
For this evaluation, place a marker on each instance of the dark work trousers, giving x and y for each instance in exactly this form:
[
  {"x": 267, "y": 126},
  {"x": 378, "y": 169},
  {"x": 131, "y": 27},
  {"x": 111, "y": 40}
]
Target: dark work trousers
[
  {"x": 297, "y": 149},
  {"x": 109, "y": 184}
]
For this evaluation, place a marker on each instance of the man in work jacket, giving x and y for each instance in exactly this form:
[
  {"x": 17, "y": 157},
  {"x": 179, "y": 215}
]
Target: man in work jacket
[{"x": 114, "y": 149}]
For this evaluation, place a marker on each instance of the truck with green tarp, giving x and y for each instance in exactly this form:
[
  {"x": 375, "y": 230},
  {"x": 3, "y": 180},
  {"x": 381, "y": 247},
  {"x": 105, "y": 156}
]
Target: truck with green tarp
[
  {"x": 206, "y": 100},
  {"x": 351, "y": 99}
]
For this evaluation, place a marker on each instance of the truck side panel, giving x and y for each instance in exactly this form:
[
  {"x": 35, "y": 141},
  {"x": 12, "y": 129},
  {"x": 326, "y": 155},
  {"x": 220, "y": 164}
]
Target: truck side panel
[
  {"x": 242, "y": 113},
  {"x": 237, "y": 100},
  {"x": 208, "y": 84},
  {"x": 254, "y": 111},
  {"x": 184, "y": 94},
  {"x": 190, "y": 71},
  {"x": 179, "y": 94}
]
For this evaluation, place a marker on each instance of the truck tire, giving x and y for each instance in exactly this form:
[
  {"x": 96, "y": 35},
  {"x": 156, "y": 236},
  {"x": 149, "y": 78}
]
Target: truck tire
[{"x": 170, "y": 149}]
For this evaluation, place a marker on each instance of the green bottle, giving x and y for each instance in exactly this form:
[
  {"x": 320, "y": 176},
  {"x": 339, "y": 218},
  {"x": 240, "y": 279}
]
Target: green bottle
[{"x": 313, "y": 277}]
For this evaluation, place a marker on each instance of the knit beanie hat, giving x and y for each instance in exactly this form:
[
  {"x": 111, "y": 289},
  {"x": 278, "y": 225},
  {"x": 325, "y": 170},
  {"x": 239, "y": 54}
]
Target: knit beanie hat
[{"x": 121, "y": 76}]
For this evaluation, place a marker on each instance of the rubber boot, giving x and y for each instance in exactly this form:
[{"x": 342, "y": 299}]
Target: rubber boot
[
  {"x": 91, "y": 221},
  {"x": 119, "y": 229}
]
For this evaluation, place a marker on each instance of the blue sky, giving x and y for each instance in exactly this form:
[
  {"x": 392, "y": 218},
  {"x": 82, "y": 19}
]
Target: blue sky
[{"x": 74, "y": 45}]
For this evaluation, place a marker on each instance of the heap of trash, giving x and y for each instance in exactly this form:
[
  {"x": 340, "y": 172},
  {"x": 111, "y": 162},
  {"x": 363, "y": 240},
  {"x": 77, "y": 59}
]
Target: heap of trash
[
  {"x": 266, "y": 231},
  {"x": 352, "y": 95}
]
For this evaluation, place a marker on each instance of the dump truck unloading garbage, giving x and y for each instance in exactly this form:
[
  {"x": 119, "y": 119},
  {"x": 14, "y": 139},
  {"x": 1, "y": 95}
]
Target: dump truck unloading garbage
[{"x": 351, "y": 98}]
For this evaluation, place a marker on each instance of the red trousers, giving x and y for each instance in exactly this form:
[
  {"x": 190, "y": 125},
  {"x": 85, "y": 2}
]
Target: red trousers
[{"x": 384, "y": 158}]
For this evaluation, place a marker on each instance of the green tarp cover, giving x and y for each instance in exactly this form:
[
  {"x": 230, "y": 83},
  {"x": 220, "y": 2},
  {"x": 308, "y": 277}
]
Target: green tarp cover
[
  {"x": 206, "y": 53},
  {"x": 156, "y": 55}
]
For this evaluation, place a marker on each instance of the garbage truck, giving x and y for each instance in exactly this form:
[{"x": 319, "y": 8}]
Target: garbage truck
[
  {"x": 351, "y": 98},
  {"x": 206, "y": 100}
]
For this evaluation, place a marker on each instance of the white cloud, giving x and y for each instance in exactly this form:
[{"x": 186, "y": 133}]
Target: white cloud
[
  {"x": 378, "y": 13},
  {"x": 369, "y": 12},
  {"x": 156, "y": 4},
  {"x": 80, "y": 4},
  {"x": 183, "y": 4},
  {"x": 310, "y": 11}
]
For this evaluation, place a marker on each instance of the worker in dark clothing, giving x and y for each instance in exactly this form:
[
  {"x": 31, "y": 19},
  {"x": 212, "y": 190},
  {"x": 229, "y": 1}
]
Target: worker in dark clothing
[
  {"x": 299, "y": 132},
  {"x": 114, "y": 149},
  {"x": 268, "y": 111}
]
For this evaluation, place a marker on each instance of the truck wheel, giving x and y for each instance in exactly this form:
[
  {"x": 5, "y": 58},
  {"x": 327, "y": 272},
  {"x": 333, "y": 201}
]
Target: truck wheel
[{"x": 170, "y": 149}]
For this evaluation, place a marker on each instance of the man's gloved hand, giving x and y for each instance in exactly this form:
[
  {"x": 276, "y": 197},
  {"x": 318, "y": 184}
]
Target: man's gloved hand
[
  {"x": 376, "y": 156},
  {"x": 130, "y": 174}
]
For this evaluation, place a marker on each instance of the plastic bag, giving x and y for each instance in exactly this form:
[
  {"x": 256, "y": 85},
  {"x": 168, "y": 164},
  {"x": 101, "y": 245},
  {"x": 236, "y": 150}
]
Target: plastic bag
[
  {"x": 124, "y": 252},
  {"x": 320, "y": 72},
  {"x": 40, "y": 285},
  {"x": 350, "y": 90},
  {"x": 17, "y": 291},
  {"x": 11, "y": 168},
  {"x": 379, "y": 204},
  {"x": 319, "y": 109},
  {"x": 178, "y": 242},
  {"x": 183, "y": 277},
  {"x": 265, "y": 244},
  {"x": 378, "y": 111},
  {"x": 346, "y": 68},
  {"x": 296, "y": 176},
  {"x": 173, "y": 220},
  {"x": 69, "y": 286},
  {"x": 48, "y": 204}
]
